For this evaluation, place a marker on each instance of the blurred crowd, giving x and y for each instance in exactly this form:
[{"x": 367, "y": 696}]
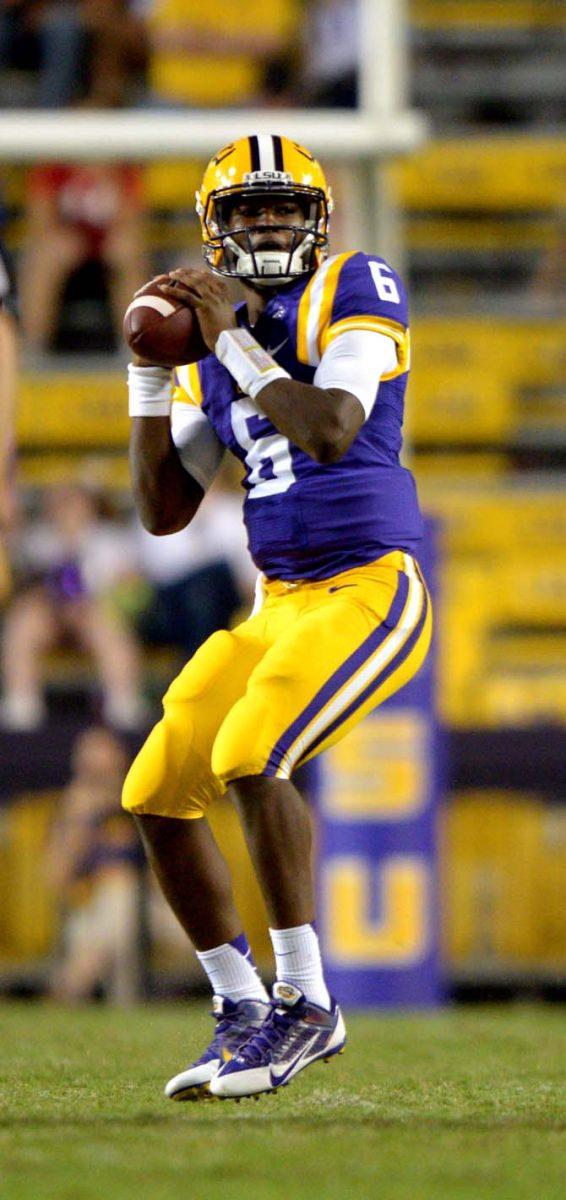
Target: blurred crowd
[
  {"x": 73, "y": 576},
  {"x": 85, "y": 593},
  {"x": 96, "y": 612},
  {"x": 84, "y": 225},
  {"x": 55, "y": 53},
  {"x": 94, "y": 583}
]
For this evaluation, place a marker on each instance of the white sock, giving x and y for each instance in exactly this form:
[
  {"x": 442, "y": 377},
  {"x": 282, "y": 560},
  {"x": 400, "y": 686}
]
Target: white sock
[
  {"x": 298, "y": 961},
  {"x": 232, "y": 971}
]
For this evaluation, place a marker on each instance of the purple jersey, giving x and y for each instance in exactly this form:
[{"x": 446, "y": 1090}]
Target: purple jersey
[{"x": 306, "y": 520}]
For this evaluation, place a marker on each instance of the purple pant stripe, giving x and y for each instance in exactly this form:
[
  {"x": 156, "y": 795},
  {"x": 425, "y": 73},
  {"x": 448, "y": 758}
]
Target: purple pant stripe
[
  {"x": 341, "y": 676},
  {"x": 372, "y": 687}
]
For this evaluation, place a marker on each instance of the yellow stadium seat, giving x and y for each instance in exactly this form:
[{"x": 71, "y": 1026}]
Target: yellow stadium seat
[
  {"x": 464, "y": 609},
  {"x": 209, "y": 75},
  {"x": 533, "y": 587},
  {"x": 493, "y": 864},
  {"x": 12, "y": 187},
  {"x": 109, "y": 472},
  {"x": 501, "y": 599},
  {"x": 514, "y": 649},
  {"x": 435, "y": 472},
  {"x": 552, "y": 889},
  {"x": 432, "y": 14},
  {"x": 457, "y": 233},
  {"x": 493, "y": 520},
  {"x": 522, "y": 698},
  {"x": 530, "y": 352},
  {"x": 449, "y": 404},
  {"x": 28, "y": 908},
  {"x": 173, "y": 184},
  {"x": 73, "y": 409},
  {"x": 525, "y": 677},
  {"x": 470, "y": 375},
  {"x": 540, "y": 416},
  {"x": 483, "y": 173}
]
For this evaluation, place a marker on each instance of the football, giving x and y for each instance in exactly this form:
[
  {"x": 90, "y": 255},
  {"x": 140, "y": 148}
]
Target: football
[{"x": 161, "y": 331}]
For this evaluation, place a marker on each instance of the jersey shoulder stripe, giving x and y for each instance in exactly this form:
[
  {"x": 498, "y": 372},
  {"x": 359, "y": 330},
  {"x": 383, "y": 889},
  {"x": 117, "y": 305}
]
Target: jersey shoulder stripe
[
  {"x": 315, "y": 308},
  {"x": 187, "y": 385},
  {"x": 352, "y": 291},
  {"x": 370, "y": 296},
  {"x": 401, "y": 336}
]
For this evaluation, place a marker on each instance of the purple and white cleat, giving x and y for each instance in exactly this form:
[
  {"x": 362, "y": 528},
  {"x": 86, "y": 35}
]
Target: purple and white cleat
[
  {"x": 235, "y": 1024},
  {"x": 295, "y": 1034}
]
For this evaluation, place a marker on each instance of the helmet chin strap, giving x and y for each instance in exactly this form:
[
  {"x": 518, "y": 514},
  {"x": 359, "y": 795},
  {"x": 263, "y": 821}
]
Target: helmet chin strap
[
  {"x": 266, "y": 266},
  {"x": 270, "y": 267}
]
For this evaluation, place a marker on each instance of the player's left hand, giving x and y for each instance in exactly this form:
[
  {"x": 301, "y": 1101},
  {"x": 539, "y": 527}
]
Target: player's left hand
[{"x": 208, "y": 295}]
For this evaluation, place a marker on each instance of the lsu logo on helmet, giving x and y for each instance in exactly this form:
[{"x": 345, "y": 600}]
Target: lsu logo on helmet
[{"x": 263, "y": 166}]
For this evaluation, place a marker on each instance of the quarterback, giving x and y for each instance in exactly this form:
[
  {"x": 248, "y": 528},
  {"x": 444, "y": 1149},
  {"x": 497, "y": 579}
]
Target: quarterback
[{"x": 304, "y": 383}]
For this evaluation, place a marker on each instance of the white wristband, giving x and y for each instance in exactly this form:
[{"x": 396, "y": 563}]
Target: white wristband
[
  {"x": 150, "y": 391},
  {"x": 249, "y": 364}
]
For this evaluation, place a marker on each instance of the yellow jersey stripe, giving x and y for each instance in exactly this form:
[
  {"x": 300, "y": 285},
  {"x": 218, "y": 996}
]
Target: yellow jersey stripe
[
  {"x": 302, "y": 320},
  {"x": 392, "y": 329},
  {"x": 189, "y": 390},
  {"x": 403, "y": 358},
  {"x": 365, "y": 321},
  {"x": 316, "y": 305},
  {"x": 328, "y": 294}
]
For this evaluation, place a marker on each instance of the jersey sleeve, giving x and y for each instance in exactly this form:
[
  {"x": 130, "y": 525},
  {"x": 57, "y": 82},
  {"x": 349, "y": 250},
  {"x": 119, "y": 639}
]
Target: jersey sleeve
[
  {"x": 355, "y": 361},
  {"x": 353, "y": 292},
  {"x": 197, "y": 443}
]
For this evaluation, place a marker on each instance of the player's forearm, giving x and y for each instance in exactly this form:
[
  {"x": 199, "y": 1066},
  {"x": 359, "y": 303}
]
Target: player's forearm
[
  {"x": 322, "y": 423},
  {"x": 166, "y": 497}
]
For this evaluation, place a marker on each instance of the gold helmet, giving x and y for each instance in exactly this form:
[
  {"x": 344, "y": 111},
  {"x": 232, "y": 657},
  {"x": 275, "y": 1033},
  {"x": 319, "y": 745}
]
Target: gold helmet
[{"x": 263, "y": 165}]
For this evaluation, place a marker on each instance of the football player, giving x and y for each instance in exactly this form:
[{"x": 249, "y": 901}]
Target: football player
[{"x": 304, "y": 383}]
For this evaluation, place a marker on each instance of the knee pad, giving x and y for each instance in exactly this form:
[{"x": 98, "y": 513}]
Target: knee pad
[
  {"x": 242, "y": 746},
  {"x": 167, "y": 778}
]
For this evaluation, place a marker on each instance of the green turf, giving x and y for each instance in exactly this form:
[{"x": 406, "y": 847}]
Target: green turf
[{"x": 462, "y": 1105}]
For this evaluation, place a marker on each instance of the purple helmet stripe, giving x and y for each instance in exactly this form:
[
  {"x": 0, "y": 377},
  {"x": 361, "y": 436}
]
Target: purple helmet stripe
[
  {"x": 254, "y": 153},
  {"x": 277, "y": 153}
]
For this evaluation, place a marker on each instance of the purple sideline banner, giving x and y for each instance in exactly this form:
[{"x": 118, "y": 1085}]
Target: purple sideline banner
[{"x": 377, "y": 859}]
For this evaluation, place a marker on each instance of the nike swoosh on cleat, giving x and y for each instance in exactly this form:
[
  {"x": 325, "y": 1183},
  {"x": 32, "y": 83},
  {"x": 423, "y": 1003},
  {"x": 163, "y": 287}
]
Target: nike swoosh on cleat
[{"x": 277, "y": 1078}]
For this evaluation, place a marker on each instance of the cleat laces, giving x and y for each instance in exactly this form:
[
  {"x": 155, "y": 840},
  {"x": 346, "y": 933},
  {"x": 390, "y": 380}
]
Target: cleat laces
[
  {"x": 214, "y": 1050},
  {"x": 272, "y": 1035},
  {"x": 235, "y": 1023}
]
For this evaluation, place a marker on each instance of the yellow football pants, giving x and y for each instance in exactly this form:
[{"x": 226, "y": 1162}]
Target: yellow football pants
[{"x": 289, "y": 682}]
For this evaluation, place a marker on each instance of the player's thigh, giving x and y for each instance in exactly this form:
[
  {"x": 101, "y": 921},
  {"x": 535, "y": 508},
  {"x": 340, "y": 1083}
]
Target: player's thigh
[
  {"x": 342, "y": 655},
  {"x": 172, "y": 774}
]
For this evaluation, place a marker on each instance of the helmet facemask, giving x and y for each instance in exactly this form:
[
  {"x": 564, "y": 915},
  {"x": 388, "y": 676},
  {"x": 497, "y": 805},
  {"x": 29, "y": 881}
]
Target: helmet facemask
[{"x": 231, "y": 252}]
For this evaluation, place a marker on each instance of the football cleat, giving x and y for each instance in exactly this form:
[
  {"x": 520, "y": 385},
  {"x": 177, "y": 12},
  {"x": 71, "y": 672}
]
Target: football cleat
[
  {"x": 295, "y": 1034},
  {"x": 235, "y": 1024}
]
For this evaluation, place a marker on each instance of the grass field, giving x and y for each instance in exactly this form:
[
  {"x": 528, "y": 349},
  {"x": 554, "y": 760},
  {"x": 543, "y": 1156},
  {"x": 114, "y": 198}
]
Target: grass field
[{"x": 463, "y": 1105}]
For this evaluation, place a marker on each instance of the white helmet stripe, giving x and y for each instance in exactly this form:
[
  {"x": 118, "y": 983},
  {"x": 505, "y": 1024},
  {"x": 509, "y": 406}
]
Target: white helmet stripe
[{"x": 266, "y": 154}]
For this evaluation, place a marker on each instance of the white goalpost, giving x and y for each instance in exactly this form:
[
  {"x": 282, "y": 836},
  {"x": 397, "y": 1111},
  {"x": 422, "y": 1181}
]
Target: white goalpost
[{"x": 383, "y": 126}]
